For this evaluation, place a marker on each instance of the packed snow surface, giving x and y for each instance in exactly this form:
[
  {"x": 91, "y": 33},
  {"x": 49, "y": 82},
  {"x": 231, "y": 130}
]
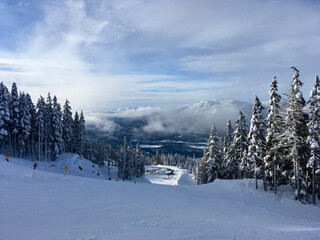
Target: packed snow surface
[
  {"x": 168, "y": 175},
  {"x": 54, "y": 207}
]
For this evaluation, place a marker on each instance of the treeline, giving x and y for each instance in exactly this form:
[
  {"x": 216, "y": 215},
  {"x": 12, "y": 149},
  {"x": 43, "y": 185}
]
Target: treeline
[
  {"x": 131, "y": 160},
  {"x": 42, "y": 131},
  {"x": 282, "y": 148}
]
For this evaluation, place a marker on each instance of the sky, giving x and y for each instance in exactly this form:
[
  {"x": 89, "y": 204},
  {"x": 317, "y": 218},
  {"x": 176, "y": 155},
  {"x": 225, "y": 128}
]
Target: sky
[{"x": 107, "y": 54}]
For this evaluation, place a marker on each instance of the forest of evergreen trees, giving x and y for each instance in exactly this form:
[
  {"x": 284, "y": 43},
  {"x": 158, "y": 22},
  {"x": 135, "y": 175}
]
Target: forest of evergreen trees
[
  {"x": 42, "y": 131},
  {"x": 282, "y": 148}
]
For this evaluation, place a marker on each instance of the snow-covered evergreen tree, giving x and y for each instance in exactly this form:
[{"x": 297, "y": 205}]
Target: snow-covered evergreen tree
[
  {"x": 256, "y": 137},
  {"x": 227, "y": 141},
  {"x": 75, "y": 133},
  {"x": 32, "y": 112},
  {"x": 140, "y": 162},
  {"x": 228, "y": 138},
  {"x": 214, "y": 157},
  {"x": 236, "y": 151},
  {"x": 82, "y": 133},
  {"x": 4, "y": 115},
  {"x": 40, "y": 126},
  {"x": 67, "y": 123},
  {"x": 202, "y": 176},
  {"x": 126, "y": 161},
  {"x": 295, "y": 136},
  {"x": 57, "y": 147},
  {"x": 14, "y": 117},
  {"x": 314, "y": 135},
  {"x": 48, "y": 129},
  {"x": 24, "y": 125},
  {"x": 274, "y": 133}
]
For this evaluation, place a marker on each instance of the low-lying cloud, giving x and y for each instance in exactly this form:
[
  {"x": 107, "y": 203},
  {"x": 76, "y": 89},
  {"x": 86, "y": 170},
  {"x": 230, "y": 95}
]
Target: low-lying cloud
[{"x": 194, "y": 119}]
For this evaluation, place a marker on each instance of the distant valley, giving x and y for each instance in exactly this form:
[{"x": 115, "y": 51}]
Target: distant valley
[{"x": 183, "y": 129}]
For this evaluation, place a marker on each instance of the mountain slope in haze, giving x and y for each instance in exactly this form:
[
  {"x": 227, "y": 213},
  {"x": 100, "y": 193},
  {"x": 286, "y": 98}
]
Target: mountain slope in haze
[{"x": 196, "y": 118}]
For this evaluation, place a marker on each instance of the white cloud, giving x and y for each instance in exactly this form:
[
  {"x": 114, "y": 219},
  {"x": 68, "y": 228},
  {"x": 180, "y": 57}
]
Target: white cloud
[
  {"x": 100, "y": 122},
  {"x": 101, "y": 54},
  {"x": 193, "y": 119}
]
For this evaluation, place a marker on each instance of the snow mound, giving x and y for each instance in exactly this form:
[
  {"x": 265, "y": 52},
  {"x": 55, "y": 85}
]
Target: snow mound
[{"x": 77, "y": 166}]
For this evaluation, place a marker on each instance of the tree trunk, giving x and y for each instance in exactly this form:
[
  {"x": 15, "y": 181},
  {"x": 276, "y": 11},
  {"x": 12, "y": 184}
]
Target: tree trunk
[
  {"x": 275, "y": 177},
  {"x": 296, "y": 175},
  {"x": 46, "y": 145},
  {"x": 313, "y": 183},
  {"x": 10, "y": 143},
  {"x": 39, "y": 144},
  {"x": 29, "y": 150},
  {"x": 255, "y": 172},
  {"x": 264, "y": 177},
  {"x": 3, "y": 144},
  {"x": 14, "y": 145}
]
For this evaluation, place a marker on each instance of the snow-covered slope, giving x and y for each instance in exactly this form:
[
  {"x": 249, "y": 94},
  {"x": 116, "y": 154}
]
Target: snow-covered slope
[
  {"x": 53, "y": 207},
  {"x": 77, "y": 166},
  {"x": 168, "y": 175}
]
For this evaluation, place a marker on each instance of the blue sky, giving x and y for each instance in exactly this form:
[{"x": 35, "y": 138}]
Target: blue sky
[{"x": 109, "y": 54}]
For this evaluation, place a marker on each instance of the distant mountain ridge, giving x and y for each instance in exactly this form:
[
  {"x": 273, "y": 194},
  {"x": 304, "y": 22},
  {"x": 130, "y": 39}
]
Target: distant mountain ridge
[{"x": 186, "y": 123}]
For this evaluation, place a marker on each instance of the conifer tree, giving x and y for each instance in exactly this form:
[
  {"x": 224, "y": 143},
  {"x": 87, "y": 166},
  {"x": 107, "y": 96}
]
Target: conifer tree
[
  {"x": 203, "y": 169},
  {"x": 14, "y": 117},
  {"x": 314, "y": 135},
  {"x": 214, "y": 158},
  {"x": 125, "y": 161},
  {"x": 24, "y": 124},
  {"x": 140, "y": 161},
  {"x": 237, "y": 149},
  {"x": 82, "y": 133},
  {"x": 295, "y": 136},
  {"x": 227, "y": 141},
  {"x": 32, "y": 111},
  {"x": 56, "y": 128},
  {"x": 229, "y": 137},
  {"x": 76, "y": 133},
  {"x": 67, "y": 123},
  {"x": 4, "y": 114},
  {"x": 274, "y": 134},
  {"x": 256, "y": 137},
  {"x": 48, "y": 128},
  {"x": 40, "y": 125}
]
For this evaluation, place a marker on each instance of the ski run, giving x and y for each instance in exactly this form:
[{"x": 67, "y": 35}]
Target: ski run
[{"x": 85, "y": 205}]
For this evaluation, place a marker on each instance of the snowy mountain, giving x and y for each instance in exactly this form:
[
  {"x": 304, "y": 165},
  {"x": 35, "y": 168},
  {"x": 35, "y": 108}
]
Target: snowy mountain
[
  {"x": 156, "y": 126},
  {"x": 53, "y": 207},
  {"x": 196, "y": 118}
]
